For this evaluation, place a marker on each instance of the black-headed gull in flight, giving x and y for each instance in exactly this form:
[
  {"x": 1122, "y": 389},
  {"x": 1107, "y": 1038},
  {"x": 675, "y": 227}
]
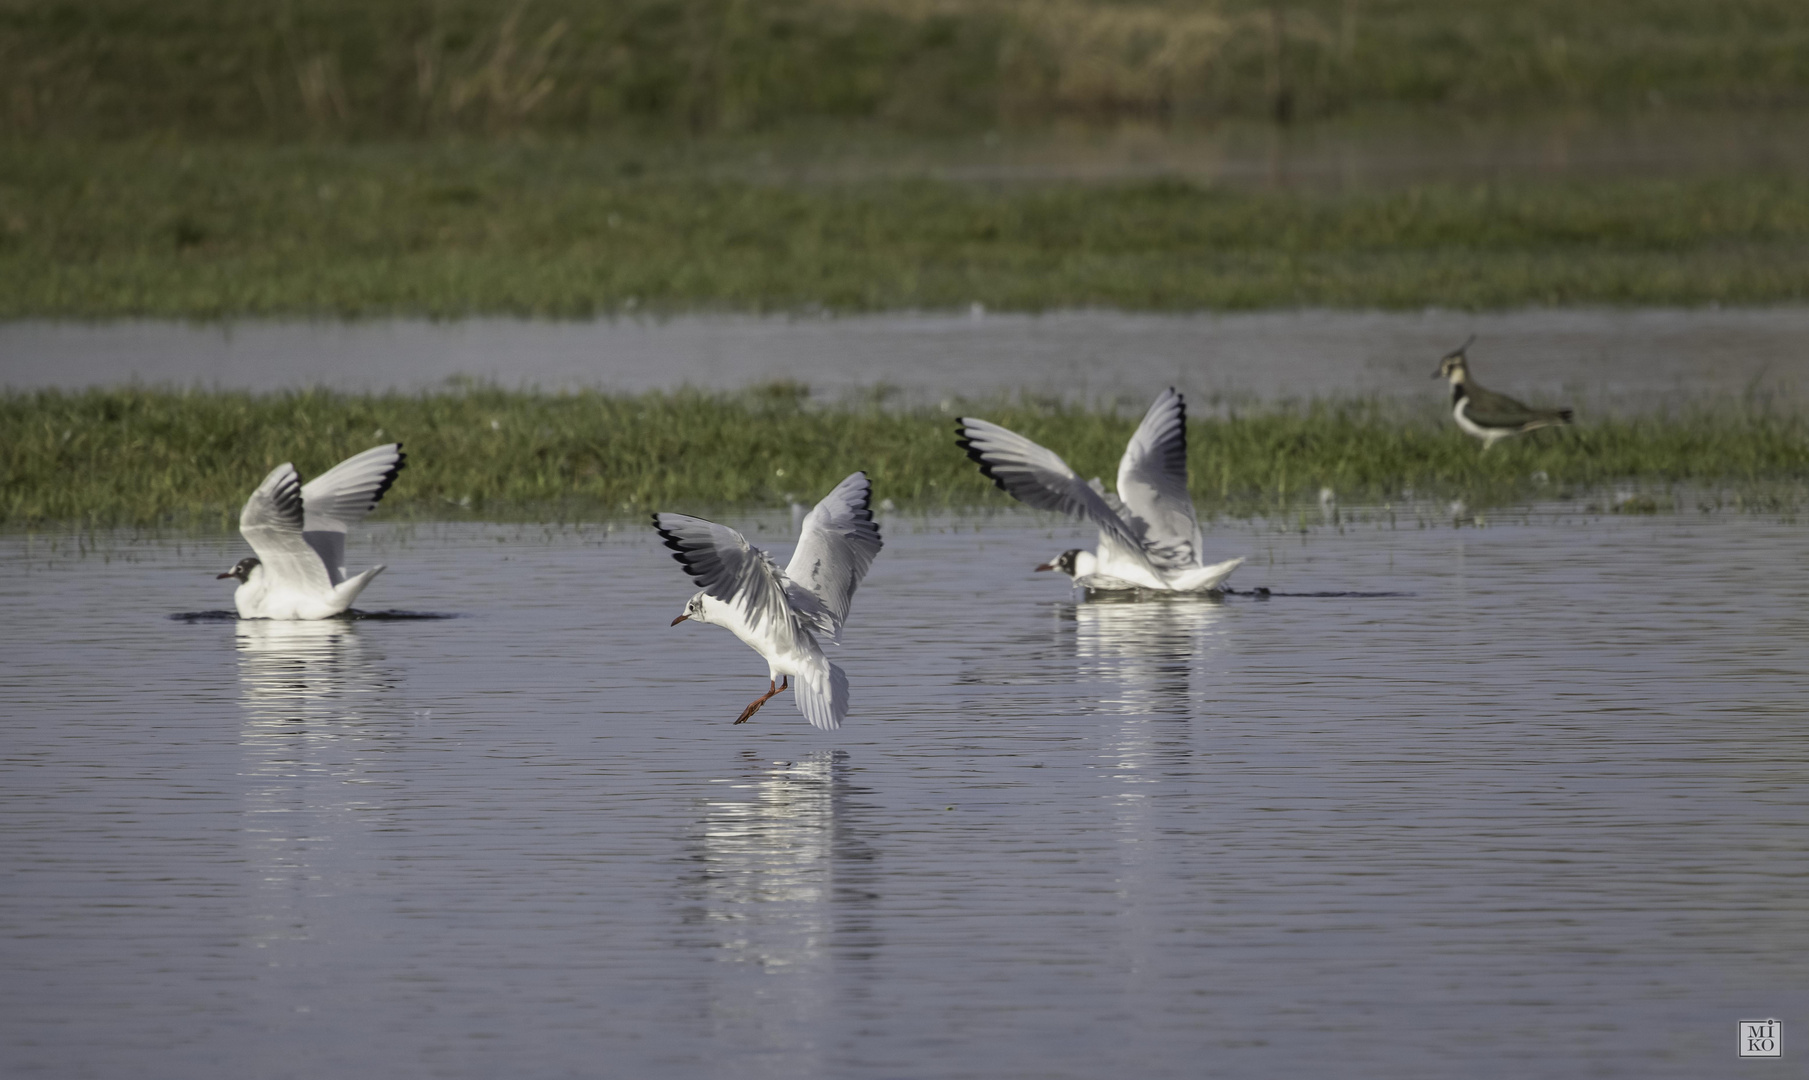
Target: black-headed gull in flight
[
  {"x": 298, "y": 531},
  {"x": 779, "y": 613},
  {"x": 1149, "y": 535}
]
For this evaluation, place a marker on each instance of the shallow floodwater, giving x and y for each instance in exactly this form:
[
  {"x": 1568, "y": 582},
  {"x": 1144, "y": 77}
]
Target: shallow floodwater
[
  {"x": 1594, "y": 359},
  {"x": 1541, "y": 813}
]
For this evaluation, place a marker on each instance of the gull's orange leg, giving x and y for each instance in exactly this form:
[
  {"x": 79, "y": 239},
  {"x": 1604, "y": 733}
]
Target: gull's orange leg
[{"x": 771, "y": 690}]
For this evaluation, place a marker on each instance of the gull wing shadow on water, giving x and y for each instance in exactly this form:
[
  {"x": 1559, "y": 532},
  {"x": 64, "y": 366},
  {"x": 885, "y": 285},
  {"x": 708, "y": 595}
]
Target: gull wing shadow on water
[{"x": 780, "y": 881}]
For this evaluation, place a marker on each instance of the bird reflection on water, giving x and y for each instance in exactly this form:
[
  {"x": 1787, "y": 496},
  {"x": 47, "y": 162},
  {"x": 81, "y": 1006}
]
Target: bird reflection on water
[
  {"x": 1152, "y": 652},
  {"x": 782, "y": 884},
  {"x": 310, "y": 693},
  {"x": 293, "y": 672}
]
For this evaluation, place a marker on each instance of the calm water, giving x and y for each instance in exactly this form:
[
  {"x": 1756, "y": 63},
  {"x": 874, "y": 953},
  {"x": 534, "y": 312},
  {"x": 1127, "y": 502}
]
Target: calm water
[
  {"x": 1595, "y": 359},
  {"x": 1541, "y": 816}
]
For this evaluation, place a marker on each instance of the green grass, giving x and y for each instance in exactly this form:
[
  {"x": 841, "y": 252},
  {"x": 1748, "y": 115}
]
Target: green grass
[
  {"x": 112, "y": 457},
  {"x": 389, "y": 68},
  {"x": 575, "y": 230}
]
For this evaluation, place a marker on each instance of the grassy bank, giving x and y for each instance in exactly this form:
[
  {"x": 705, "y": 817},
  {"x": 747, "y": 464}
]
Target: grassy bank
[
  {"x": 446, "y": 230},
  {"x": 389, "y": 68},
  {"x": 146, "y": 457}
]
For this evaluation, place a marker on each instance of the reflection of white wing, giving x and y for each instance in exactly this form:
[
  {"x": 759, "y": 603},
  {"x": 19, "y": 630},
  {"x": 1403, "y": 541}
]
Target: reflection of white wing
[
  {"x": 340, "y": 498},
  {"x": 770, "y": 883},
  {"x": 837, "y": 545},
  {"x": 728, "y": 568},
  {"x": 1152, "y": 484},
  {"x": 1037, "y": 477},
  {"x": 272, "y": 524},
  {"x": 1156, "y": 653}
]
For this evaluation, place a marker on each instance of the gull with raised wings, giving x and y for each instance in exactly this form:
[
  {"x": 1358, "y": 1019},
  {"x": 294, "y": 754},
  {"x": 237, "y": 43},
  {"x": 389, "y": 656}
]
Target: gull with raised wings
[
  {"x": 780, "y": 613},
  {"x": 1149, "y": 535},
  {"x": 298, "y": 531}
]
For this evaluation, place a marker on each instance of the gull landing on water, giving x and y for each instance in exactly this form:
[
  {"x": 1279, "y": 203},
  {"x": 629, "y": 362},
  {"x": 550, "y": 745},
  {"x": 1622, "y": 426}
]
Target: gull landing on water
[
  {"x": 1485, "y": 414},
  {"x": 1149, "y": 536},
  {"x": 779, "y": 613},
  {"x": 298, "y": 531}
]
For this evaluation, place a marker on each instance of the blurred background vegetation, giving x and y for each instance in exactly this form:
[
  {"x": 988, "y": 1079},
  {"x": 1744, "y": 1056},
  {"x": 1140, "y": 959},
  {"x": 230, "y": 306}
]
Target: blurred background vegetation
[
  {"x": 231, "y": 158},
  {"x": 409, "y": 69},
  {"x": 218, "y": 158}
]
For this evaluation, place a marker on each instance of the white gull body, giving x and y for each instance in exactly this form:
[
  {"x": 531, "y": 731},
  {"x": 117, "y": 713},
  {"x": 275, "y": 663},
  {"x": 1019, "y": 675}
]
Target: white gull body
[
  {"x": 299, "y": 531},
  {"x": 779, "y": 613},
  {"x": 1149, "y": 534}
]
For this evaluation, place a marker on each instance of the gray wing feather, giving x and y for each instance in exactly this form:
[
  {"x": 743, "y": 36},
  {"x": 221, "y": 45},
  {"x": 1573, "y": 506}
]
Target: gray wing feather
[
  {"x": 272, "y": 524},
  {"x": 1037, "y": 477},
  {"x": 1152, "y": 483},
  {"x": 728, "y": 568},
  {"x": 822, "y": 695},
  {"x": 342, "y": 496},
  {"x": 836, "y": 546}
]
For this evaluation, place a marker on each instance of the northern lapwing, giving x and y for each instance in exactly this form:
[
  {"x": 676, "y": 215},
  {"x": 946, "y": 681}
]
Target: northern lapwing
[{"x": 1485, "y": 414}]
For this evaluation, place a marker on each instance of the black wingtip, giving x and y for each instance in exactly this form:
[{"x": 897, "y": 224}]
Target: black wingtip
[
  {"x": 864, "y": 509},
  {"x": 288, "y": 496},
  {"x": 1181, "y": 409},
  {"x": 966, "y": 443},
  {"x": 389, "y": 477},
  {"x": 677, "y": 547}
]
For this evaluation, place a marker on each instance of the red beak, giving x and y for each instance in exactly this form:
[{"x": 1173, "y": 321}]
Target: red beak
[
  {"x": 1047, "y": 566},
  {"x": 227, "y": 574},
  {"x": 680, "y": 619}
]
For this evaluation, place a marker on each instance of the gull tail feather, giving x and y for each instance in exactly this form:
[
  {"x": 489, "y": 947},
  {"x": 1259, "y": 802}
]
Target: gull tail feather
[
  {"x": 823, "y": 696},
  {"x": 348, "y": 590},
  {"x": 1206, "y": 577}
]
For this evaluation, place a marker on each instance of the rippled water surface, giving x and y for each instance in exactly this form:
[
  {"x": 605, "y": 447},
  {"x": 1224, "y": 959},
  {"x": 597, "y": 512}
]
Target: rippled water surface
[{"x": 1541, "y": 815}]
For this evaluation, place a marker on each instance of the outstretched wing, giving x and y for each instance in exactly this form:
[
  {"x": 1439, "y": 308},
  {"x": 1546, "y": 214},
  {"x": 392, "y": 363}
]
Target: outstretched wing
[
  {"x": 729, "y": 569},
  {"x": 1036, "y": 477},
  {"x": 272, "y": 524},
  {"x": 1152, "y": 484},
  {"x": 340, "y": 498},
  {"x": 838, "y": 543}
]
